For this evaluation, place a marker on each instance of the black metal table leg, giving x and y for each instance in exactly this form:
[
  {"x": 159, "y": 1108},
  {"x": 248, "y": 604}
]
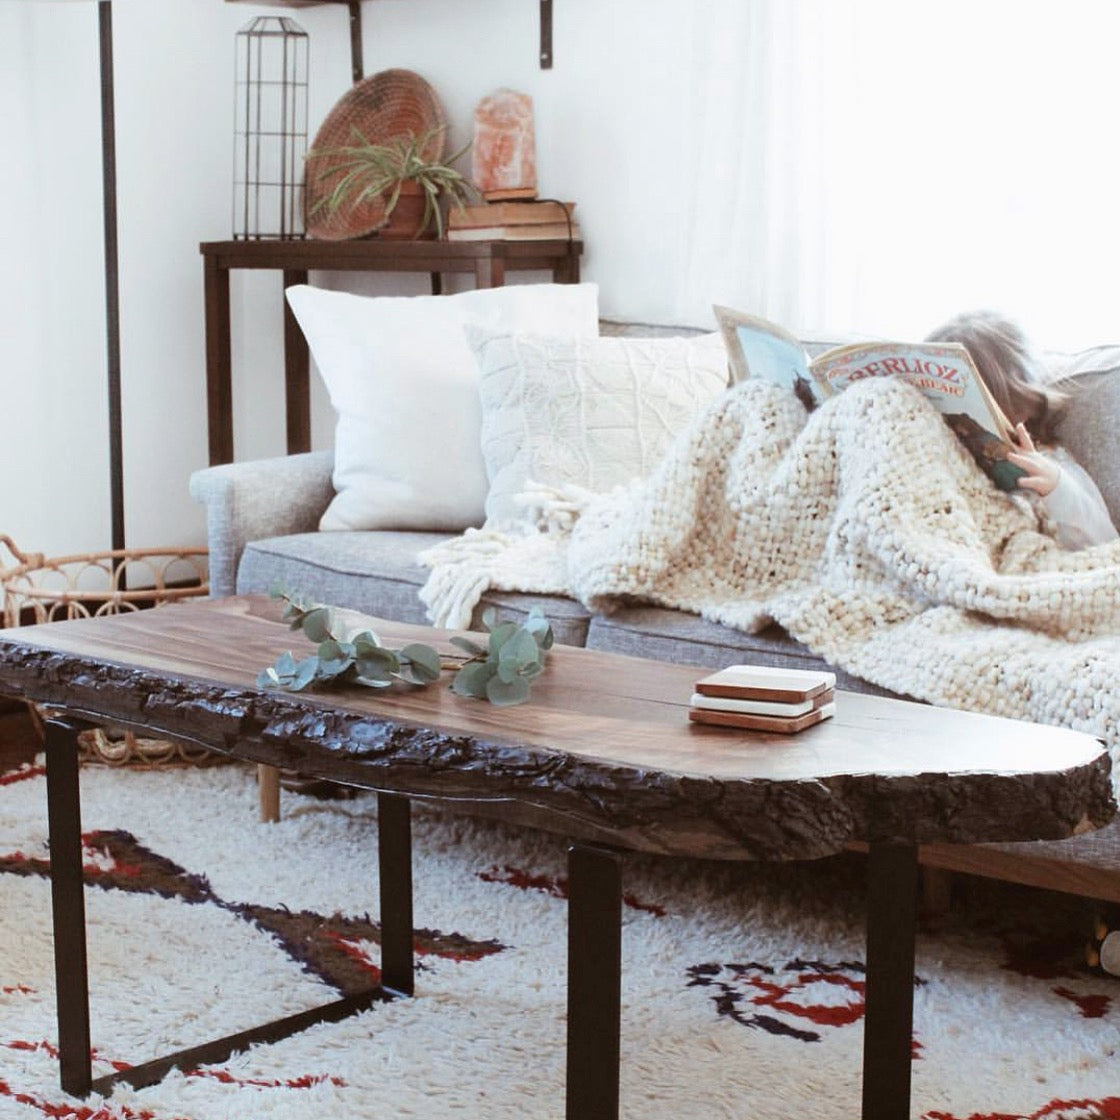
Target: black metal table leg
[
  {"x": 594, "y": 981},
  {"x": 68, "y": 907},
  {"x": 71, "y": 971},
  {"x": 892, "y": 904},
  {"x": 394, "y": 850}
]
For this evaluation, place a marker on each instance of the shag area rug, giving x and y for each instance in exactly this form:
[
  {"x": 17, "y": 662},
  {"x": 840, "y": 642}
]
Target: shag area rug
[{"x": 742, "y": 985}]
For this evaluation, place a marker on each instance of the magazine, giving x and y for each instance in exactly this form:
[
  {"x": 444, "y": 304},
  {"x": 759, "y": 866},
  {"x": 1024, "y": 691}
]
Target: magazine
[{"x": 943, "y": 372}]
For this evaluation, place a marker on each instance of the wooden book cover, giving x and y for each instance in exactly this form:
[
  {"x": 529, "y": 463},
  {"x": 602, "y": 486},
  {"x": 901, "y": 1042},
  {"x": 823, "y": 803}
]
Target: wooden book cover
[
  {"x": 766, "y": 682},
  {"x": 550, "y": 231},
  {"x": 762, "y": 723},
  {"x": 509, "y": 214},
  {"x": 762, "y": 707}
]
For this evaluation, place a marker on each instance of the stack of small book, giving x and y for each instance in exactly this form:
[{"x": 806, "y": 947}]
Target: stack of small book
[
  {"x": 531, "y": 220},
  {"x": 761, "y": 698}
]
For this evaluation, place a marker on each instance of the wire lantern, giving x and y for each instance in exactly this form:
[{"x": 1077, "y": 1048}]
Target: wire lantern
[{"x": 269, "y": 129}]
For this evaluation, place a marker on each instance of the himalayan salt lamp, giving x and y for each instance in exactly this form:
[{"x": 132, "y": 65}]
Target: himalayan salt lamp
[{"x": 504, "y": 155}]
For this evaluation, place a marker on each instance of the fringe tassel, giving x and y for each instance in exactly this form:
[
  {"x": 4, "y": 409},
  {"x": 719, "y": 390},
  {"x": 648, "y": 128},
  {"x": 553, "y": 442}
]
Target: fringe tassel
[
  {"x": 461, "y": 573},
  {"x": 553, "y": 509},
  {"x": 525, "y": 557}
]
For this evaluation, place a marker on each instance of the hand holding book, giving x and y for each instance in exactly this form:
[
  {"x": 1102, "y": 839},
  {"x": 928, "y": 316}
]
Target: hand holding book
[{"x": 1041, "y": 472}]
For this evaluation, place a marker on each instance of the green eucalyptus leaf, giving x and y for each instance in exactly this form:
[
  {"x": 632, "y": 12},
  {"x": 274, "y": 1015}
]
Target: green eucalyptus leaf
[
  {"x": 471, "y": 680},
  {"x": 373, "y": 670},
  {"x": 517, "y": 655},
  {"x": 317, "y": 624},
  {"x": 285, "y": 664},
  {"x": 305, "y": 673},
  {"x": 332, "y": 670},
  {"x": 331, "y": 650},
  {"x": 472, "y": 647},
  {"x": 366, "y": 644},
  {"x": 379, "y": 655},
  {"x": 490, "y": 618},
  {"x": 299, "y": 683},
  {"x": 520, "y": 650},
  {"x": 540, "y": 628},
  {"x": 424, "y": 661},
  {"x": 504, "y": 694},
  {"x": 500, "y": 635},
  {"x": 267, "y": 678},
  {"x": 531, "y": 672}
]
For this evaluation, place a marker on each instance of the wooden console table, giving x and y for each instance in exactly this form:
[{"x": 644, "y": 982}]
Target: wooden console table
[{"x": 488, "y": 261}]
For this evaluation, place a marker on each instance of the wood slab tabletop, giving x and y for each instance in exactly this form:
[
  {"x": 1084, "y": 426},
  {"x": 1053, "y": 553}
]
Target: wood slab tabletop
[{"x": 603, "y": 750}]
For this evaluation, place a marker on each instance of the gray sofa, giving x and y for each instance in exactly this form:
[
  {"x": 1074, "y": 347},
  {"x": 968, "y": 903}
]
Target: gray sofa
[{"x": 262, "y": 522}]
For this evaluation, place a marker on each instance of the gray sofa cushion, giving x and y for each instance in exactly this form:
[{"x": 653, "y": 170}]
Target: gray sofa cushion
[
  {"x": 687, "y": 639},
  {"x": 377, "y": 573},
  {"x": 1088, "y": 428}
]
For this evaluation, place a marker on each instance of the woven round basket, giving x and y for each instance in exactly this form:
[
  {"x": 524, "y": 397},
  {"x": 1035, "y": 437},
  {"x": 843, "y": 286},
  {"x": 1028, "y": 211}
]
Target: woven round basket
[
  {"x": 40, "y": 589},
  {"x": 391, "y": 105}
]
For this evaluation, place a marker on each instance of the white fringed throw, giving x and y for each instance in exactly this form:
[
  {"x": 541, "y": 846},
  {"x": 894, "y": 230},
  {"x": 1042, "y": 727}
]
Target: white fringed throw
[{"x": 865, "y": 530}]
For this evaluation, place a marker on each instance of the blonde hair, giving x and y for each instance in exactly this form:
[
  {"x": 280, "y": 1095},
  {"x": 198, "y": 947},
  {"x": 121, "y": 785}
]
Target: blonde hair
[{"x": 1010, "y": 368}]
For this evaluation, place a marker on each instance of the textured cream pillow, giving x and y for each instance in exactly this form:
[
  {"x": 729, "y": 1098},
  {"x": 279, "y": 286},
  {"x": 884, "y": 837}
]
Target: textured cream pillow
[
  {"x": 595, "y": 412},
  {"x": 403, "y": 381}
]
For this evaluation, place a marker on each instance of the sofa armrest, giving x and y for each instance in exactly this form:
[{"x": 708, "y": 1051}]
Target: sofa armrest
[{"x": 259, "y": 499}]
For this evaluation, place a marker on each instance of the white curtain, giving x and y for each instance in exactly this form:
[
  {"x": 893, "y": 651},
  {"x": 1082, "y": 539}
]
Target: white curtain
[{"x": 872, "y": 166}]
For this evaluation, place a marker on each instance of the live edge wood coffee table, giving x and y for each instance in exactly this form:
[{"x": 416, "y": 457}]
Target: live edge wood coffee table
[{"x": 603, "y": 753}]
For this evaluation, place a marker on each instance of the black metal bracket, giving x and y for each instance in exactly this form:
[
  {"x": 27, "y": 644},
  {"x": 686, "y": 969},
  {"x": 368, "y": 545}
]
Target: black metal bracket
[
  {"x": 546, "y": 34},
  {"x": 356, "y": 70}
]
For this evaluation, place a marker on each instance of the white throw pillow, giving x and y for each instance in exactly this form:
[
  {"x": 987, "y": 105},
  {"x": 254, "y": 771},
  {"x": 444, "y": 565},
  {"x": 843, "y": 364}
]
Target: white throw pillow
[
  {"x": 594, "y": 412},
  {"x": 404, "y": 384}
]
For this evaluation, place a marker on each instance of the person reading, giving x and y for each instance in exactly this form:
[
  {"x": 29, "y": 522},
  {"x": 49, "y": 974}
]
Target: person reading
[{"x": 1059, "y": 486}]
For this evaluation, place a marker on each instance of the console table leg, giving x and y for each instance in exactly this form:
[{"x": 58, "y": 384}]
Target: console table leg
[
  {"x": 219, "y": 363},
  {"x": 892, "y": 905},
  {"x": 297, "y": 376},
  {"x": 489, "y": 272},
  {"x": 394, "y": 846},
  {"x": 268, "y": 792},
  {"x": 68, "y": 906},
  {"x": 594, "y": 981}
]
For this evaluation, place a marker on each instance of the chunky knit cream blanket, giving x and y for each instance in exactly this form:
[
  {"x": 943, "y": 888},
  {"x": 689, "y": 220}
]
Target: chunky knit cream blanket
[{"x": 865, "y": 530}]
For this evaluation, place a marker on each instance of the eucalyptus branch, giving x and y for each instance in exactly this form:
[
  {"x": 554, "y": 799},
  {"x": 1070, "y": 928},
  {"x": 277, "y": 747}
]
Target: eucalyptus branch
[
  {"x": 361, "y": 659},
  {"x": 499, "y": 671}
]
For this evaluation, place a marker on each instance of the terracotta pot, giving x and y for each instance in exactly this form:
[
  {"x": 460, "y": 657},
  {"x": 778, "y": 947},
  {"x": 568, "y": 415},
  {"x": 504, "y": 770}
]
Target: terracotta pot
[{"x": 408, "y": 214}]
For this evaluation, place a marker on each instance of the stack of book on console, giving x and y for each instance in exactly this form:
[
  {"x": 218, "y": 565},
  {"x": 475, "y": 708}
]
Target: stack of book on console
[
  {"x": 761, "y": 698},
  {"x": 513, "y": 221}
]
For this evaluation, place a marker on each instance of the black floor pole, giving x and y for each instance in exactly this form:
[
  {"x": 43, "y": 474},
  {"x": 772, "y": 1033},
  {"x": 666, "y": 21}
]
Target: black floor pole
[{"x": 112, "y": 286}]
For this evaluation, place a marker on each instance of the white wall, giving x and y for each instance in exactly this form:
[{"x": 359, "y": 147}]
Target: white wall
[{"x": 609, "y": 118}]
